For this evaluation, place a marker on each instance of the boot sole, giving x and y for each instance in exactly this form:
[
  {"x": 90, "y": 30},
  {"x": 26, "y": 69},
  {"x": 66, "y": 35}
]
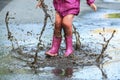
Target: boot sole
[
  {"x": 69, "y": 54},
  {"x": 49, "y": 54}
]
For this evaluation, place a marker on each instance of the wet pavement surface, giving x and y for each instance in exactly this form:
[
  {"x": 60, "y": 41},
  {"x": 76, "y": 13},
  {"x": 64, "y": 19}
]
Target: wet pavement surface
[
  {"x": 17, "y": 60},
  {"x": 3, "y": 3},
  {"x": 114, "y": 1}
]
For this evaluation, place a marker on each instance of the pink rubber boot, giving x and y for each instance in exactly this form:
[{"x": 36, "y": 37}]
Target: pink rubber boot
[
  {"x": 55, "y": 46},
  {"x": 69, "y": 48}
]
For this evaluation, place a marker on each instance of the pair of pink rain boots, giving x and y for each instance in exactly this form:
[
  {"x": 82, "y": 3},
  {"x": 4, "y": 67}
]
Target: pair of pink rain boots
[{"x": 56, "y": 45}]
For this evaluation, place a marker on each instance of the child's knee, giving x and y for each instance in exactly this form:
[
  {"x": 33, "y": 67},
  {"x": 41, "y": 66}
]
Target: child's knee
[
  {"x": 66, "y": 24},
  {"x": 58, "y": 24}
]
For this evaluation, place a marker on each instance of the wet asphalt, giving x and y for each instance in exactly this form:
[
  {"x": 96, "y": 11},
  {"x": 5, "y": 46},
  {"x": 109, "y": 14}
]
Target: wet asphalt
[
  {"x": 97, "y": 22},
  {"x": 3, "y": 3}
]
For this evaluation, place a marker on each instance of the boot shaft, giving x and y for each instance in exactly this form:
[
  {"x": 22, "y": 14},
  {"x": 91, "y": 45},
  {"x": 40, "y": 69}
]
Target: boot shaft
[
  {"x": 69, "y": 46},
  {"x": 68, "y": 41},
  {"x": 55, "y": 46},
  {"x": 56, "y": 41}
]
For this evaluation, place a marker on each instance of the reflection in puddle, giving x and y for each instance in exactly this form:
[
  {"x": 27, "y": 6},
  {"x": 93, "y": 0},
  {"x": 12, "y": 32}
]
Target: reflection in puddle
[{"x": 68, "y": 72}]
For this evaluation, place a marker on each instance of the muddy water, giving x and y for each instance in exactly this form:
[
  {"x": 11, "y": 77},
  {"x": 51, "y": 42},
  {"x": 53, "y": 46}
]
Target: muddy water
[{"x": 17, "y": 64}]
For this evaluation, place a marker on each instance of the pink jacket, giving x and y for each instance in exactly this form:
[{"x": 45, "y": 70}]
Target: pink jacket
[{"x": 73, "y": 6}]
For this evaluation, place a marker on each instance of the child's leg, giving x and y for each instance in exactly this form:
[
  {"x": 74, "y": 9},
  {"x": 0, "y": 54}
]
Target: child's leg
[
  {"x": 67, "y": 23},
  {"x": 56, "y": 36},
  {"x": 58, "y": 25}
]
